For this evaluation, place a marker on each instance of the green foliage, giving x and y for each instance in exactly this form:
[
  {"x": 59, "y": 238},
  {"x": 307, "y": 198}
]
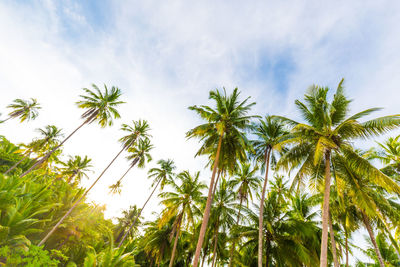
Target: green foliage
[{"x": 33, "y": 256}]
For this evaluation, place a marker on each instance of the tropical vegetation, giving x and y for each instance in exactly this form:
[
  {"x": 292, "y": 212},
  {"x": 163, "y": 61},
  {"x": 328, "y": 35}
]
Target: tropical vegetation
[{"x": 275, "y": 190}]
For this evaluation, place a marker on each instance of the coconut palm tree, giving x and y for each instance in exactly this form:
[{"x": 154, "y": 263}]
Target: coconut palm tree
[
  {"x": 388, "y": 153},
  {"x": 244, "y": 182},
  {"x": 139, "y": 131},
  {"x": 23, "y": 109},
  {"x": 182, "y": 202},
  {"x": 138, "y": 154},
  {"x": 368, "y": 194},
  {"x": 328, "y": 130},
  {"x": 49, "y": 138},
  {"x": 161, "y": 177},
  {"x": 229, "y": 117},
  {"x": 76, "y": 168},
  {"x": 270, "y": 133},
  {"x": 291, "y": 232},
  {"x": 223, "y": 213},
  {"x": 99, "y": 106},
  {"x": 125, "y": 221}
]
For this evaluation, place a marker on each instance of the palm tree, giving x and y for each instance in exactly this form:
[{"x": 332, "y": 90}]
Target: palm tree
[
  {"x": 125, "y": 220},
  {"x": 161, "y": 176},
  {"x": 49, "y": 138},
  {"x": 23, "y": 109},
  {"x": 389, "y": 154},
  {"x": 140, "y": 130},
  {"x": 222, "y": 212},
  {"x": 182, "y": 202},
  {"x": 99, "y": 106},
  {"x": 140, "y": 154},
  {"x": 291, "y": 234},
  {"x": 245, "y": 181},
  {"x": 327, "y": 131},
  {"x": 229, "y": 117},
  {"x": 270, "y": 132},
  {"x": 368, "y": 194},
  {"x": 76, "y": 168}
]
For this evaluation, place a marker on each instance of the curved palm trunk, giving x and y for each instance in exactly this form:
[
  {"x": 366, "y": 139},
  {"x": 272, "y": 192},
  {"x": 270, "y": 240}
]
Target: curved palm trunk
[
  {"x": 206, "y": 215},
  {"x": 333, "y": 243},
  {"x": 138, "y": 215},
  {"x": 325, "y": 211},
  {"x": 57, "y": 147},
  {"x": 215, "y": 245},
  {"x": 233, "y": 242},
  {"x": 79, "y": 200},
  {"x": 171, "y": 262},
  {"x": 21, "y": 160},
  {"x": 261, "y": 218},
  {"x": 373, "y": 240}
]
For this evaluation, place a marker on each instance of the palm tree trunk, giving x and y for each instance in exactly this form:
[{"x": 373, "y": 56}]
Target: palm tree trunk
[
  {"x": 215, "y": 244},
  {"x": 333, "y": 243},
  {"x": 54, "y": 149},
  {"x": 132, "y": 165},
  {"x": 261, "y": 218},
  {"x": 233, "y": 242},
  {"x": 21, "y": 160},
  {"x": 171, "y": 262},
  {"x": 79, "y": 200},
  {"x": 207, "y": 210},
  {"x": 139, "y": 213},
  {"x": 70, "y": 178},
  {"x": 325, "y": 211},
  {"x": 373, "y": 240}
]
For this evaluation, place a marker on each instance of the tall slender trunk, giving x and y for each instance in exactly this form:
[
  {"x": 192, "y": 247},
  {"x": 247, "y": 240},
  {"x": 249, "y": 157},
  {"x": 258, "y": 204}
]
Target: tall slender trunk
[
  {"x": 139, "y": 213},
  {"x": 373, "y": 240},
  {"x": 233, "y": 242},
  {"x": 45, "y": 157},
  {"x": 79, "y": 200},
  {"x": 333, "y": 243},
  {"x": 325, "y": 211},
  {"x": 171, "y": 262},
  {"x": 21, "y": 160},
  {"x": 207, "y": 210},
  {"x": 215, "y": 244},
  {"x": 261, "y": 218},
  {"x": 70, "y": 178},
  {"x": 132, "y": 165}
]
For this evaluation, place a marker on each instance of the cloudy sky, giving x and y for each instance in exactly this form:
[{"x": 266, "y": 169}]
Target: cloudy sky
[{"x": 167, "y": 55}]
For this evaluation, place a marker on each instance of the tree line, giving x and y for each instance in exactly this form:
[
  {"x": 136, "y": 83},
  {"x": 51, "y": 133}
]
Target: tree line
[{"x": 323, "y": 189}]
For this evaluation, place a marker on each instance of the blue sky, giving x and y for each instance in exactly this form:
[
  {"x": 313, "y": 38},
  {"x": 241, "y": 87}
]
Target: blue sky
[{"x": 167, "y": 55}]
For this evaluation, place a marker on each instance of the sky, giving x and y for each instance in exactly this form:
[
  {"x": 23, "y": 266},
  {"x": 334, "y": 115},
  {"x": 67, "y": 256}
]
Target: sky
[{"x": 167, "y": 55}]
